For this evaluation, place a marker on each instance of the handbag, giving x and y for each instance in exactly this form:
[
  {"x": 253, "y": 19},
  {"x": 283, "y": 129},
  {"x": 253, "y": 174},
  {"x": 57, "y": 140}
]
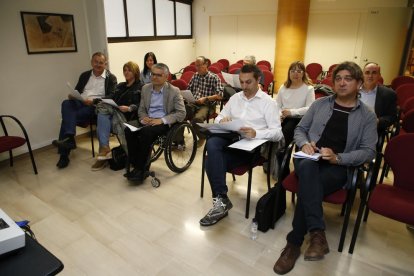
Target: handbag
[{"x": 119, "y": 159}]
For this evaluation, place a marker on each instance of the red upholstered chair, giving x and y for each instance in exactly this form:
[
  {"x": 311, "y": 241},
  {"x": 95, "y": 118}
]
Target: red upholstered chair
[
  {"x": 269, "y": 82},
  {"x": 400, "y": 80},
  {"x": 180, "y": 83},
  {"x": 235, "y": 66},
  {"x": 263, "y": 67},
  {"x": 9, "y": 142},
  {"x": 187, "y": 76},
  {"x": 191, "y": 68},
  {"x": 265, "y": 63},
  {"x": 327, "y": 81},
  {"x": 331, "y": 68},
  {"x": 313, "y": 70},
  {"x": 225, "y": 63},
  {"x": 342, "y": 197},
  {"x": 220, "y": 75},
  {"x": 392, "y": 201},
  {"x": 218, "y": 65},
  {"x": 240, "y": 61},
  {"x": 241, "y": 170},
  {"x": 404, "y": 93},
  {"x": 214, "y": 69}
]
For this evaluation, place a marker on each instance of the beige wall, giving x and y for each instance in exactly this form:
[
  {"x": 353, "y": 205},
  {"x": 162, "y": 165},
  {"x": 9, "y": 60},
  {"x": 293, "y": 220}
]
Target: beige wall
[{"x": 33, "y": 86}]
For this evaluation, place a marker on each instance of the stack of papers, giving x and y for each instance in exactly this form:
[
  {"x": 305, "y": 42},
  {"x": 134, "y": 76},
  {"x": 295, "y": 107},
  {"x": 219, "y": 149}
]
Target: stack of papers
[
  {"x": 233, "y": 125},
  {"x": 231, "y": 79},
  {"x": 300, "y": 154}
]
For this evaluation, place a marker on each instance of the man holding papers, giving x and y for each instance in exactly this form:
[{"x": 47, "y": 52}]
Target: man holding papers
[
  {"x": 92, "y": 84},
  {"x": 261, "y": 121},
  {"x": 116, "y": 110},
  {"x": 344, "y": 131}
]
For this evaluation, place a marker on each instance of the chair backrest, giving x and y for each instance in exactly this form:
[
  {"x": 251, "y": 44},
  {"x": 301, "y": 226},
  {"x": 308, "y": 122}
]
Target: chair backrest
[
  {"x": 218, "y": 65},
  {"x": 327, "y": 81},
  {"x": 180, "y": 83},
  {"x": 191, "y": 68},
  {"x": 400, "y": 80},
  {"x": 234, "y": 70},
  {"x": 332, "y": 67},
  {"x": 399, "y": 155},
  {"x": 220, "y": 75},
  {"x": 240, "y": 61},
  {"x": 267, "y": 81},
  {"x": 313, "y": 70},
  {"x": 214, "y": 69},
  {"x": 263, "y": 67},
  {"x": 187, "y": 76},
  {"x": 265, "y": 63},
  {"x": 409, "y": 105},
  {"x": 408, "y": 122},
  {"x": 404, "y": 93},
  {"x": 224, "y": 62},
  {"x": 235, "y": 65}
]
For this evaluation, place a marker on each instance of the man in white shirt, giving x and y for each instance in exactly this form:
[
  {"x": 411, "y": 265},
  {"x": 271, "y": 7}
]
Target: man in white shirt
[
  {"x": 261, "y": 118},
  {"x": 93, "y": 84}
]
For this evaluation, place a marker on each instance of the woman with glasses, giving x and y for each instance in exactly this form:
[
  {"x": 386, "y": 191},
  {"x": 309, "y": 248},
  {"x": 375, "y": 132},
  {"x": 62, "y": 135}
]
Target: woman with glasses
[
  {"x": 294, "y": 98},
  {"x": 149, "y": 60}
]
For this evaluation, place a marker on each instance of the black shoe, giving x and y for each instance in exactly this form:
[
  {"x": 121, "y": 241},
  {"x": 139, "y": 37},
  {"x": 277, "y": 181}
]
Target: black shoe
[
  {"x": 63, "y": 162},
  {"x": 136, "y": 176},
  {"x": 65, "y": 144}
]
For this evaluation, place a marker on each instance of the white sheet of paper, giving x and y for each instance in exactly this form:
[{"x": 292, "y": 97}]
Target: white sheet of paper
[
  {"x": 234, "y": 125},
  {"x": 110, "y": 102},
  {"x": 232, "y": 79},
  {"x": 300, "y": 154},
  {"x": 133, "y": 128},
  {"x": 74, "y": 93},
  {"x": 247, "y": 144}
]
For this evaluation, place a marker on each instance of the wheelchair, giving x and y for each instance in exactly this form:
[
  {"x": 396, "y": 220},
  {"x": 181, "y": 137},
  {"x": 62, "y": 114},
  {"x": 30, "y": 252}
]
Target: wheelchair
[{"x": 178, "y": 154}]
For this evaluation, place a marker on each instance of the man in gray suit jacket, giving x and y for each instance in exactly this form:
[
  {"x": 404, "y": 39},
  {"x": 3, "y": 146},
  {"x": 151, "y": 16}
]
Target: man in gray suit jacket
[{"x": 161, "y": 106}]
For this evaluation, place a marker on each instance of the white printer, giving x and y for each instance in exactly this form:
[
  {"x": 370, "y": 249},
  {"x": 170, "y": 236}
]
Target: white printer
[{"x": 11, "y": 235}]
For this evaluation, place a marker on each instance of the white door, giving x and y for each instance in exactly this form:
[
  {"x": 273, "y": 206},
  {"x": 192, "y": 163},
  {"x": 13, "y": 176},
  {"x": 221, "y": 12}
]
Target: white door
[{"x": 384, "y": 38}]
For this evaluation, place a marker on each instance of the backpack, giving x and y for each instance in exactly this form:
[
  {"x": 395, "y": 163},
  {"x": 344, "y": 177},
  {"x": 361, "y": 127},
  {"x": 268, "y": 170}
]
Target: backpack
[
  {"x": 119, "y": 159},
  {"x": 270, "y": 207}
]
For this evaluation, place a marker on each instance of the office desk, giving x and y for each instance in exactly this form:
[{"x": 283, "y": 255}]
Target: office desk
[{"x": 33, "y": 260}]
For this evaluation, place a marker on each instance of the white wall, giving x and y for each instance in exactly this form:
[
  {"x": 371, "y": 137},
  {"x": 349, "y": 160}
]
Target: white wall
[
  {"x": 33, "y": 86},
  {"x": 175, "y": 53}
]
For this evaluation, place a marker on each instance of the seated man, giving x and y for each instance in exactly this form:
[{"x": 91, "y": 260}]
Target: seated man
[
  {"x": 92, "y": 84},
  {"x": 161, "y": 106},
  {"x": 344, "y": 131},
  {"x": 206, "y": 87},
  {"x": 261, "y": 117},
  {"x": 382, "y": 100}
]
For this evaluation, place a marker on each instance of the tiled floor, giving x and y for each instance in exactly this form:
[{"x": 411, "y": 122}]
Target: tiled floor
[{"x": 99, "y": 224}]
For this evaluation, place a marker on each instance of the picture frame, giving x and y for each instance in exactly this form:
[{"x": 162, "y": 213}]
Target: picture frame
[{"x": 48, "y": 32}]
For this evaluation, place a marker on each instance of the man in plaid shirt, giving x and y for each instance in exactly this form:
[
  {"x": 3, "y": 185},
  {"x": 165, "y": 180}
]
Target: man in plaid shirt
[{"x": 206, "y": 88}]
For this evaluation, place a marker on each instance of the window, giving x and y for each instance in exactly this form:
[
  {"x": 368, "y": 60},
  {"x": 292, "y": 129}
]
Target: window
[{"x": 143, "y": 20}]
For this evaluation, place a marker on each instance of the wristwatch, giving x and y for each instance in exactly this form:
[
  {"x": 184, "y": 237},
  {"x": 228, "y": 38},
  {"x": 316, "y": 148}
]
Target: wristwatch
[{"x": 338, "y": 159}]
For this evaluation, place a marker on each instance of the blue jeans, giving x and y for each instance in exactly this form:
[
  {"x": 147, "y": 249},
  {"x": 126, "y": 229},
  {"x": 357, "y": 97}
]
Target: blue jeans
[
  {"x": 220, "y": 159},
  {"x": 316, "y": 180},
  {"x": 73, "y": 112},
  {"x": 103, "y": 128}
]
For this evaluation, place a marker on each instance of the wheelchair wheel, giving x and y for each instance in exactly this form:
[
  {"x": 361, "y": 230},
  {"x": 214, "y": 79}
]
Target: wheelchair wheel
[
  {"x": 157, "y": 148},
  {"x": 180, "y": 154}
]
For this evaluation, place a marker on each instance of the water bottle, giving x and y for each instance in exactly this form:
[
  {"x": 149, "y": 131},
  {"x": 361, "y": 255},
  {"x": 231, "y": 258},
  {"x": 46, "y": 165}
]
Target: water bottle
[{"x": 253, "y": 229}]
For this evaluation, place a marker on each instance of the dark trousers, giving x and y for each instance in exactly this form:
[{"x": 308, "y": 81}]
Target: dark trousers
[
  {"x": 73, "y": 112},
  {"x": 220, "y": 159},
  {"x": 288, "y": 128},
  {"x": 316, "y": 180},
  {"x": 139, "y": 144}
]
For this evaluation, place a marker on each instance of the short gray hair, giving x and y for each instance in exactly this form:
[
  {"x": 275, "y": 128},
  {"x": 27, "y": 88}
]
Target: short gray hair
[
  {"x": 162, "y": 67},
  {"x": 251, "y": 59}
]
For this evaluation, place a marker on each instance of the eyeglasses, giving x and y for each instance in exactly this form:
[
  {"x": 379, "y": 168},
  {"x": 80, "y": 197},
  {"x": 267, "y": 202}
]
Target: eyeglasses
[
  {"x": 296, "y": 71},
  {"x": 156, "y": 75},
  {"x": 346, "y": 78}
]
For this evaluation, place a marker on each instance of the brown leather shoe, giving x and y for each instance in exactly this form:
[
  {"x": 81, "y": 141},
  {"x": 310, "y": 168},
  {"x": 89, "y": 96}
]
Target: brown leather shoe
[
  {"x": 287, "y": 259},
  {"x": 318, "y": 246}
]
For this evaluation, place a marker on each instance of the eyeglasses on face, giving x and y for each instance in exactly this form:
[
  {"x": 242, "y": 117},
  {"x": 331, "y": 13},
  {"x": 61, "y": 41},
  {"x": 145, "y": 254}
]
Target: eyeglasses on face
[
  {"x": 156, "y": 75},
  {"x": 299, "y": 71}
]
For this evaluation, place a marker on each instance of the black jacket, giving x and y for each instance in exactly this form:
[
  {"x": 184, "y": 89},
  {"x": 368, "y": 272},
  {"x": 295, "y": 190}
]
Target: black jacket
[{"x": 110, "y": 82}]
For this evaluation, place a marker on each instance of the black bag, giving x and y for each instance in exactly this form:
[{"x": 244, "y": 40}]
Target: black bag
[
  {"x": 270, "y": 207},
  {"x": 119, "y": 159}
]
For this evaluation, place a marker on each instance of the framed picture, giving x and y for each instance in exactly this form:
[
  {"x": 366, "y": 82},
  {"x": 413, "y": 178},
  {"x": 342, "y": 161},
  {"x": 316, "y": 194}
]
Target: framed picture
[{"x": 48, "y": 32}]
